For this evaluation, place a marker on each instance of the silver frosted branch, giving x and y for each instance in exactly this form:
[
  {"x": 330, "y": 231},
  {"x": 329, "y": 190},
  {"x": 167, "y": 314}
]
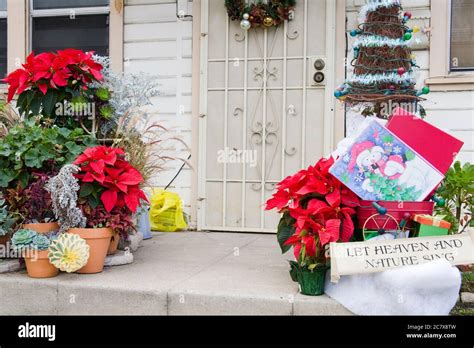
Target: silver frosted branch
[{"x": 63, "y": 189}]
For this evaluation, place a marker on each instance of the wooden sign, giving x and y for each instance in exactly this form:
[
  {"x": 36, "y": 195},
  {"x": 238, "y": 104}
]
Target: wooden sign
[{"x": 377, "y": 256}]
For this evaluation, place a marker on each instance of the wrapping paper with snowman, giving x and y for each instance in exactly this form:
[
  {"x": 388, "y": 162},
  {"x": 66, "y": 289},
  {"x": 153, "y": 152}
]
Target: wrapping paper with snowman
[{"x": 380, "y": 166}]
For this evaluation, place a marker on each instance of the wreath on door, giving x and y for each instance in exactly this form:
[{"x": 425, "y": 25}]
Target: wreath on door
[{"x": 266, "y": 14}]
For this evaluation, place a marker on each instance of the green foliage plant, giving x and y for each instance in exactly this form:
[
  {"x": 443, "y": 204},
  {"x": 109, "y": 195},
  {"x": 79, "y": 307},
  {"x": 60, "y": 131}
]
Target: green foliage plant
[
  {"x": 457, "y": 190},
  {"x": 30, "y": 147}
]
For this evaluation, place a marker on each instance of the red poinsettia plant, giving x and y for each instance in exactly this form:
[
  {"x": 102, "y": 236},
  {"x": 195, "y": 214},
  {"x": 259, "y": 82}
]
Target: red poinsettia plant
[
  {"x": 316, "y": 210},
  {"x": 50, "y": 77},
  {"x": 106, "y": 178}
]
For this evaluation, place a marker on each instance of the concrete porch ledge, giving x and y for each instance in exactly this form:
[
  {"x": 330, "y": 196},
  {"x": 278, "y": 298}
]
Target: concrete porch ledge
[{"x": 184, "y": 273}]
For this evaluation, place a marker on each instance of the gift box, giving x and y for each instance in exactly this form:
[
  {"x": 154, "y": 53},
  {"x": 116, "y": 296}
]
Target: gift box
[
  {"x": 378, "y": 166},
  {"x": 428, "y": 225},
  {"x": 435, "y": 145}
]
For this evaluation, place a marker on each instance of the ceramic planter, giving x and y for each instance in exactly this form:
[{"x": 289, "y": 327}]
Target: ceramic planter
[
  {"x": 143, "y": 223},
  {"x": 38, "y": 265},
  {"x": 98, "y": 240},
  {"x": 114, "y": 242},
  {"x": 311, "y": 282},
  {"x": 43, "y": 228}
]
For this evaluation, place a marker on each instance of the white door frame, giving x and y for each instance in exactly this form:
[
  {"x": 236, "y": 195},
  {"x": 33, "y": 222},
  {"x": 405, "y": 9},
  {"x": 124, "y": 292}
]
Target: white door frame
[
  {"x": 329, "y": 112},
  {"x": 202, "y": 112}
]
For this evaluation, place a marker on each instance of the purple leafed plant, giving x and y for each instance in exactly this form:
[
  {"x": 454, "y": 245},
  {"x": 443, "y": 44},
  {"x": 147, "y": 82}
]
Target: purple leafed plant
[{"x": 33, "y": 202}]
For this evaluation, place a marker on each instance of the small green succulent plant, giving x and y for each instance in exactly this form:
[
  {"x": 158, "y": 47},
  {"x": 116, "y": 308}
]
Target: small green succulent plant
[
  {"x": 23, "y": 239},
  {"x": 103, "y": 93},
  {"x": 40, "y": 242},
  {"x": 106, "y": 111},
  {"x": 29, "y": 239},
  {"x": 7, "y": 219}
]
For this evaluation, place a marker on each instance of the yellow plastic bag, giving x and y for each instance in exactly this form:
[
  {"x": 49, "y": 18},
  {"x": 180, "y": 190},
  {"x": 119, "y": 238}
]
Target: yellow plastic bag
[{"x": 166, "y": 211}]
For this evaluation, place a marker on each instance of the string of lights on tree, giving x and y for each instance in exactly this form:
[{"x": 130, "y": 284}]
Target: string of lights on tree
[
  {"x": 266, "y": 13},
  {"x": 383, "y": 62}
]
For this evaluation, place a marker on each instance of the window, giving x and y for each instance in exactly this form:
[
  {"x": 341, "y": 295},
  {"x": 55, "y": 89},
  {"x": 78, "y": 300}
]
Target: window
[
  {"x": 462, "y": 35},
  {"x": 451, "y": 46},
  {"x": 59, "y": 24},
  {"x": 3, "y": 38}
]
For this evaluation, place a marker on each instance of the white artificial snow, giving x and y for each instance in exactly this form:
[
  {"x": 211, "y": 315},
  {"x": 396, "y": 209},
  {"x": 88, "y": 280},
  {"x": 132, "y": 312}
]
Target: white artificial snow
[
  {"x": 378, "y": 41},
  {"x": 428, "y": 289},
  {"x": 369, "y": 79}
]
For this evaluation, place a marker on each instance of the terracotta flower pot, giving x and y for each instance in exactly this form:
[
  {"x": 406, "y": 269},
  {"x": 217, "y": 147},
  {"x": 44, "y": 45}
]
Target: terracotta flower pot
[
  {"x": 44, "y": 227},
  {"x": 98, "y": 240},
  {"x": 114, "y": 242},
  {"x": 4, "y": 239},
  {"x": 38, "y": 265}
]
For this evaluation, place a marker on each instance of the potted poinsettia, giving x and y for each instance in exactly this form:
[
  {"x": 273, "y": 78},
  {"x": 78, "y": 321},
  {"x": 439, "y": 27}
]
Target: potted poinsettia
[
  {"x": 316, "y": 210},
  {"x": 109, "y": 193},
  {"x": 110, "y": 189},
  {"x": 51, "y": 77}
]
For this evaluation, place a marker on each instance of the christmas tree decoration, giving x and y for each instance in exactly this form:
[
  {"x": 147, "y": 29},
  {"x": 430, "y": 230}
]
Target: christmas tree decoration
[
  {"x": 356, "y": 52},
  {"x": 406, "y": 17},
  {"x": 260, "y": 14},
  {"x": 355, "y": 32},
  {"x": 245, "y": 23},
  {"x": 424, "y": 90},
  {"x": 383, "y": 62},
  {"x": 415, "y": 29},
  {"x": 379, "y": 166},
  {"x": 268, "y": 21}
]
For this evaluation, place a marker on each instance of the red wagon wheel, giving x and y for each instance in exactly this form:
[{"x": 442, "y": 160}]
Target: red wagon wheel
[{"x": 381, "y": 227}]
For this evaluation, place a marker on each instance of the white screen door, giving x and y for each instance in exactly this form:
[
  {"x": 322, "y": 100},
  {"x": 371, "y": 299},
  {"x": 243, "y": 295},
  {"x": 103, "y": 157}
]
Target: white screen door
[{"x": 262, "y": 112}]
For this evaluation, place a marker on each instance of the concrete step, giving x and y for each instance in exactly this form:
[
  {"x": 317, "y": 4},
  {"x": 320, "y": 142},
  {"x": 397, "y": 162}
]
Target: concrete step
[{"x": 184, "y": 273}]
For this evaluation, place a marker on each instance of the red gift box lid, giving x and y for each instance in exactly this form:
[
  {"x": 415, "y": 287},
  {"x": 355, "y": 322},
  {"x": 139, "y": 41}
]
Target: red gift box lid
[{"x": 436, "y": 146}]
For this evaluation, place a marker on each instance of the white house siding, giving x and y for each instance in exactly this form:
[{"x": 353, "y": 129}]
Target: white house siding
[
  {"x": 156, "y": 42},
  {"x": 452, "y": 111}
]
